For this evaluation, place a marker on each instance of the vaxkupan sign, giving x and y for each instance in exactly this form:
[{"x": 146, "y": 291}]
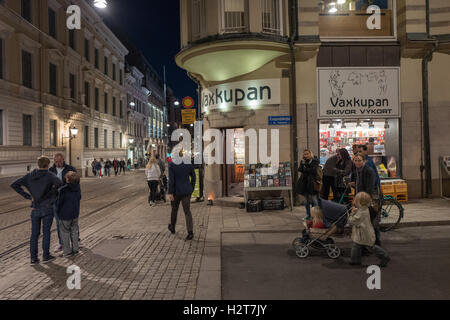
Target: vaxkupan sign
[
  {"x": 241, "y": 94},
  {"x": 358, "y": 92}
]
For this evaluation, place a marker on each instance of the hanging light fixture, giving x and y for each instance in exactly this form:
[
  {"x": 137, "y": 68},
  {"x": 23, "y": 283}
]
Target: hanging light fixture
[
  {"x": 358, "y": 125},
  {"x": 102, "y": 4},
  {"x": 331, "y": 126}
]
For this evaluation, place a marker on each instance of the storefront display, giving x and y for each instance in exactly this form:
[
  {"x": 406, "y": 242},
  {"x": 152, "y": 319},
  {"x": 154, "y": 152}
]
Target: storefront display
[
  {"x": 268, "y": 176},
  {"x": 380, "y": 136}
]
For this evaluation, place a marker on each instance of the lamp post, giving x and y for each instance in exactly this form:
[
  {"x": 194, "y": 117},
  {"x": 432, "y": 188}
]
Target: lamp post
[
  {"x": 102, "y": 4},
  {"x": 73, "y": 135}
]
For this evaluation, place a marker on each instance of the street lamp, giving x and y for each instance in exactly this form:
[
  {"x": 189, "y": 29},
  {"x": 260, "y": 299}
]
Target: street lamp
[
  {"x": 131, "y": 140},
  {"x": 176, "y": 103},
  {"x": 102, "y": 4},
  {"x": 73, "y": 134}
]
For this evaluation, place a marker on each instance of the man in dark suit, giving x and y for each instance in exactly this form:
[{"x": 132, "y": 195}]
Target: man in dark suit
[{"x": 180, "y": 190}]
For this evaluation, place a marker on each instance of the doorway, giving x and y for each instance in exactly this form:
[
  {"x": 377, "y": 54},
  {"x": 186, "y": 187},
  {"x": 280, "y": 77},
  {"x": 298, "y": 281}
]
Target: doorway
[{"x": 233, "y": 174}]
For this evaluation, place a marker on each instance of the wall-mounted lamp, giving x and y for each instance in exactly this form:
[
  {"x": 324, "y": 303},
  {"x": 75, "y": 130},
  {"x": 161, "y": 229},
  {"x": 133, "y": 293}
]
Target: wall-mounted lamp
[
  {"x": 131, "y": 140},
  {"x": 102, "y": 4}
]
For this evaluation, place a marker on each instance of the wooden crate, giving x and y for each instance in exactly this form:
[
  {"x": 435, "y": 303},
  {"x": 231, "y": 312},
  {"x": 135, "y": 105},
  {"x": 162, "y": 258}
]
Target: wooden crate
[
  {"x": 388, "y": 190},
  {"x": 401, "y": 192}
]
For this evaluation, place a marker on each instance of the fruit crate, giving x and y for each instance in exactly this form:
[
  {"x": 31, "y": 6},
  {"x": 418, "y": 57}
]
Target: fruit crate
[{"x": 401, "y": 192}]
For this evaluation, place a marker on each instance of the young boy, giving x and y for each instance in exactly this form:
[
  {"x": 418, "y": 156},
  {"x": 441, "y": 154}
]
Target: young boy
[{"x": 68, "y": 209}]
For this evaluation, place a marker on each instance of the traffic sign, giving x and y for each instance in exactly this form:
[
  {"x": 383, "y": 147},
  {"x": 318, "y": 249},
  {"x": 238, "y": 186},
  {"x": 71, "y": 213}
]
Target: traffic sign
[
  {"x": 188, "y": 102},
  {"x": 188, "y": 116}
]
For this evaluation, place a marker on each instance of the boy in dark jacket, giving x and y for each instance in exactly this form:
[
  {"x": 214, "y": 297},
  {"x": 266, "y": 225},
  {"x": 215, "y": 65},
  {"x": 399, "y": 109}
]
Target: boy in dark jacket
[
  {"x": 68, "y": 208},
  {"x": 42, "y": 186}
]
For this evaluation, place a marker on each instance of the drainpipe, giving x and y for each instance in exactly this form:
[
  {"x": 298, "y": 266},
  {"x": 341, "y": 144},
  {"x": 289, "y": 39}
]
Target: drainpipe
[
  {"x": 293, "y": 106},
  {"x": 425, "y": 110}
]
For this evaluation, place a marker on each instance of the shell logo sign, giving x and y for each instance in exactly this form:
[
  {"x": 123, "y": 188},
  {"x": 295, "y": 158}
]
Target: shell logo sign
[{"x": 188, "y": 102}]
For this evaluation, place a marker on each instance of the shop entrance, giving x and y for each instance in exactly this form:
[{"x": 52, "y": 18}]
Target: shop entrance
[{"x": 233, "y": 174}]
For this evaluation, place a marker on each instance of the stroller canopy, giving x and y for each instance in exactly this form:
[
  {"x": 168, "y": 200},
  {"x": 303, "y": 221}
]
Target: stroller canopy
[{"x": 332, "y": 211}]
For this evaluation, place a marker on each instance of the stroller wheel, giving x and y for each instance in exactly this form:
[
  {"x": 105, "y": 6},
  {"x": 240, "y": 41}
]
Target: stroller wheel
[
  {"x": 333, "y": 251},
  {"x": 302, "y": 252},
  {"x": 297, "y": 243}
]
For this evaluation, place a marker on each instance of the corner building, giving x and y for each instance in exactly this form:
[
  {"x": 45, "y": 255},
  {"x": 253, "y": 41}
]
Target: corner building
[{"x": 344, "y": 76}]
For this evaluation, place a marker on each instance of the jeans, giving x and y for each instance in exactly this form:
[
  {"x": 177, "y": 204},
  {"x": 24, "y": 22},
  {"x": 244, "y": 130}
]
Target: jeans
[
  {"x": 107, "y": 172},
  {"x": 69, "y": 233},
  {"x": 122, "y": 169},
  {"x": 153, "y": 186},
  {"x": 116, "y": 171},
  {"x": 357, "y": 248},
  {"x": 310, "y": 199},
  {"x": 186, "y": 201},
  {"x": 38, "y": 216}
]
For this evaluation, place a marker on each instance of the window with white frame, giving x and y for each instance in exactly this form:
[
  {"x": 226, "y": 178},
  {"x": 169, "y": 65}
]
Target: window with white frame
[
  {"x": 198, "y": 19},
  {"x": 271, "y": 16},
  {"x": 234, "y": 16}
]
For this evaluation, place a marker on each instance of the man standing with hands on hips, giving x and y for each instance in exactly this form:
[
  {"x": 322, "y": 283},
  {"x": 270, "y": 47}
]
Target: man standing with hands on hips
[{"x": 180, "y": 190}]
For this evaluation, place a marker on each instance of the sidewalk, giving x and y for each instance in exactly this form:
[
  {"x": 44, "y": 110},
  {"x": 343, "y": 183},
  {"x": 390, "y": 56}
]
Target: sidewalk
[{"x": 132, "y": 255}]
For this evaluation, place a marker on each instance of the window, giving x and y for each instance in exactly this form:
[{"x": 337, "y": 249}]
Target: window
[
  {"x": 1, "y": 127},
  {"x": 52, "y": 79},
  {"x": 121, "y": 77},
  {"x": 106, "y": 65},
  {"x": 96, "y": 58},
  {"x": 53, "y": 132},
  {"x": 198, "y": 19},
  {"x": 106, "y": 103},
  {"x": 86, "y": 137},
  {"x": 97, "y": 99},
  {"x": 1, "y": 58},
  {"x": 87, "y": 53},
  {"x": 113, "y": 139},
  {"x": 87, "y": 100},
  {"x": 27, "y": 130},
  {"x": 105, "y": 138},
  {"x": 120, "y": 140},
  {"x": 27, "y": 69},
  {"x": 96, "y": 137},
  {"x": 114, "y": 71},
  {"x": 52, "y": 23},
  {"x": 234, "y": 15},
  {"x": 121, "y": 109},
  {"x": 114, "y": 107},
  {"x": 26, "y": 10},
  {"x": 72, "y": 85},
  {"x": 72, "y": 39},
  {"x": 271, "y": 16},
  {"x": 340, "y": 19}
]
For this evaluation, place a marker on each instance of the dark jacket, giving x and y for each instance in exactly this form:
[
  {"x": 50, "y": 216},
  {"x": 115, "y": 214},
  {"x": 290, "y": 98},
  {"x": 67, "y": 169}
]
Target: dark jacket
[
  {"x": 68, "y": 202},
  {"x": 308, "y": 170},
  {"x": 330, "y": 167},
  {"x": 42, "y": 186},
  {"x": 66, "y": 169},
  {"x": 108, "y": 164},
  {"x": 367, "y": 182},
  {"x": 179, "y": 183},
  {"x": 162, "y": 166}
]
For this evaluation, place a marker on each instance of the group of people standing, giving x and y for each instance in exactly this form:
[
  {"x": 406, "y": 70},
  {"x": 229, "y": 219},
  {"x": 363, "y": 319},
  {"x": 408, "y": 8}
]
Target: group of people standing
[
  {"x": 54, "y": 193},
  {"x": 101, "y": 168},
  {"x": 339, "y": 173}
]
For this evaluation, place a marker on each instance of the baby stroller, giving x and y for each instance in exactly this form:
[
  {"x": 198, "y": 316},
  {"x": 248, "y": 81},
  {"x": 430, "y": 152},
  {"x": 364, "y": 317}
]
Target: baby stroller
[
  {"x": 334, "y": 218},
  {"x": 161, "y": 195}
]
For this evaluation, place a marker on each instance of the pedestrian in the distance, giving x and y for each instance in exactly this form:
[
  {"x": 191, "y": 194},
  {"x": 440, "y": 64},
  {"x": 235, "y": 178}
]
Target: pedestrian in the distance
[
  {"x": 129, "y": 164},
  {"x": 99, "y": 168},
  {"x": 363, "y": 235},
  {"x": 116, "y": 165},
  {"x": 93, "y": 164},
  {"x": 153, "y": 174},
  {"x": 181, "y": 186},
  {"x": 68, "y": 206},
  {"x": 108, "y": 165},
  {"x": 309, "y": 183},
  {"x": 60, "y": 169},
  {"x": 42, "y": 187},
  {"x": 122, "y": 166}
]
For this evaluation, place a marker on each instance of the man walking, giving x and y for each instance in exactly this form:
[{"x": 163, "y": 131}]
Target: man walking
[
  {"x": 116, "y": 166},
  {"x": 180, "y": 190},
  {"x": 60, "y": 169},
  {"x": 42, "y": 187},
  {"x": 122, "y": 166}
]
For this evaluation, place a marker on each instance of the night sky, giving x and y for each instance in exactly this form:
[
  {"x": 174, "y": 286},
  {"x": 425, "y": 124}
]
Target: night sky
[{"x": 153, "y": 26}]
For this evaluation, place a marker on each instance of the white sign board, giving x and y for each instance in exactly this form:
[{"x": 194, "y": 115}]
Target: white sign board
[
  {"x": 358, "y": 92},
  {"x": 251, "y": 93}
]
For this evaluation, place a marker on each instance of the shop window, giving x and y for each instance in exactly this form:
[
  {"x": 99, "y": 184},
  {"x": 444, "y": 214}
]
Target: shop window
[
  {"x": 349, "y": 18},
  {"x": 271, "y": 16},
  {"x": 234, "y": 16},
  {"x": 381, "y": 136}
]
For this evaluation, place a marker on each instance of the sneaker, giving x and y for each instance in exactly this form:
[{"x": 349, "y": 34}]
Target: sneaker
[
  {"x": 171, "y": 229},
  {"x": 75, "y": 253},
  {"x": 153, "y": 204},
  {"x": 65, "y": 255},
  {"x": 80, "y": 245},
  {"x": 59, "y": 248},
  {"x": 34, "y": 262},
  {"x": 190, "y": 236},
  {"x": 384, "y": 262},
  {"x": 50, "y": 258}
]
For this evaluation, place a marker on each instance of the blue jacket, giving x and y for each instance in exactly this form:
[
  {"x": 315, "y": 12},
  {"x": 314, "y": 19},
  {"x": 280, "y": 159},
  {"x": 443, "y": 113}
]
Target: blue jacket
[
  {"x": 42, "y": 186},
  {"x": 68, "y": 203},
  {"x": 66, "y": 169},
  {"x": 179, "y": 183},
  {"x": 372, "y": 165}
]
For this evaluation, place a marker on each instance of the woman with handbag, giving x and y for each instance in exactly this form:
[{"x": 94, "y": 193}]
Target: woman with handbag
[{"x": 310, "y": 181}]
